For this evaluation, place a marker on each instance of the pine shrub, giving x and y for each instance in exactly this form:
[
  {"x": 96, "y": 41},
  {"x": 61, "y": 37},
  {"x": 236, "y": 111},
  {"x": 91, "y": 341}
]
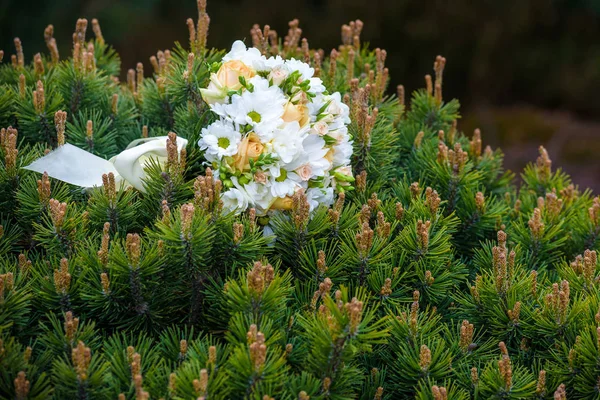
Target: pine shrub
[{"x": 440, "y": 276}]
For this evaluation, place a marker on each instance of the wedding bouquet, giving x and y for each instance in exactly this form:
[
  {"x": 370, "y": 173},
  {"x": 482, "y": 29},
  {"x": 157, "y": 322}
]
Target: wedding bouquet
[{"x": 278, "y": 132}]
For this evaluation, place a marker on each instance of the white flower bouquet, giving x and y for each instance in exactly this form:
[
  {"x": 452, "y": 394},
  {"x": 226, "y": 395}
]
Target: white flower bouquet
[{"x": 278, "y": 132}]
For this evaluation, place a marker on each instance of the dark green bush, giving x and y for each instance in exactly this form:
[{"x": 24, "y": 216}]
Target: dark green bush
[{"x": 439, "y": 277}]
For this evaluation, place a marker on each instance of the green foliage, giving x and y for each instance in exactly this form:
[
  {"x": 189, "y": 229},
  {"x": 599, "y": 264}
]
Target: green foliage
[
  {"x": 96, "y": 136},
  {"x": 403, "y": 288}
]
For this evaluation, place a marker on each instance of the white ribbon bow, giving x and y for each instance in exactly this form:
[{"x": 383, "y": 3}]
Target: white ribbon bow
[{"x": 73, "y": 165}]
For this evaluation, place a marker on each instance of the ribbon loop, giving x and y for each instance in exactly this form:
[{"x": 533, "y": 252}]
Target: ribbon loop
[{"x": 78, "y": 167}]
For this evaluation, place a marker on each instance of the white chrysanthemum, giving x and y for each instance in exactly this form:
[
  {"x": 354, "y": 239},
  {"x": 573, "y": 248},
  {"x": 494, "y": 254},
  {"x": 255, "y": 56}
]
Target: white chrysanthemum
[
  {"x": 219, "y": 140},
  {"x": 251, "y": 57},
  {"x": 283, "y": 187},
  {"x": 287, "y": 142},
  {"x": 306, "y": 71},
  {"x": 274, "y": 62},
  {"x": 316, "y": 86},
  {"x": 317, "y": 196},
  {"x": 262, "y": 108},
  {"x": 260, "y": 195}
]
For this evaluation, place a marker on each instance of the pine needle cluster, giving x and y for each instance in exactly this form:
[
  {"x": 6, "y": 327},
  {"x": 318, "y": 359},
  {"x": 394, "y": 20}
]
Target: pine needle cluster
[{"x": 437, "y": 277}]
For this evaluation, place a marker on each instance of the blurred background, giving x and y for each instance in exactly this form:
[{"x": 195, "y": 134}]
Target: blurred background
[{"x": 526, "y": 72}]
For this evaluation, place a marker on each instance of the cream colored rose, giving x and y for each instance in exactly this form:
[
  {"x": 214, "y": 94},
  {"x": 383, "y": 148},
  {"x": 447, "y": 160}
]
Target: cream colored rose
[
  {"x": 226, "y": 79},
  {"x": 260, "y": 177},
  {"x": 230, "y": 72},
  {"x": 285, "y": 203},
  {"x": 278, "y": 75},
  {"x": 255, "y": 148},
  {"x": 304, "y": 172},
  {"x": 296, "y": 112},
  {"x": 321, "y": 128},
  {"x": 329, "y": 155},
  {"x": 300, "y": 97},
  {"x": 249, "y": 148},
  {"x": 337, "y": 135}
]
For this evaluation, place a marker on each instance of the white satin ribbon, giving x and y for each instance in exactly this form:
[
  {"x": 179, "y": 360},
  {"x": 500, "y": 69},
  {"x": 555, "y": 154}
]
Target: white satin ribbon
[{"x": 73, "y": 165}]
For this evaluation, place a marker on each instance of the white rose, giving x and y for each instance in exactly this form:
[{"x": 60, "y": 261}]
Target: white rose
[
  {"x": 215, "y": 93},
  {"x": 337, "y": 135},
  {"x": 234, "y": 201},
  {"x": 317, "y": 196},
  {"x": 334, "y": 108},
  {"x": 249, "y": 56}
]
